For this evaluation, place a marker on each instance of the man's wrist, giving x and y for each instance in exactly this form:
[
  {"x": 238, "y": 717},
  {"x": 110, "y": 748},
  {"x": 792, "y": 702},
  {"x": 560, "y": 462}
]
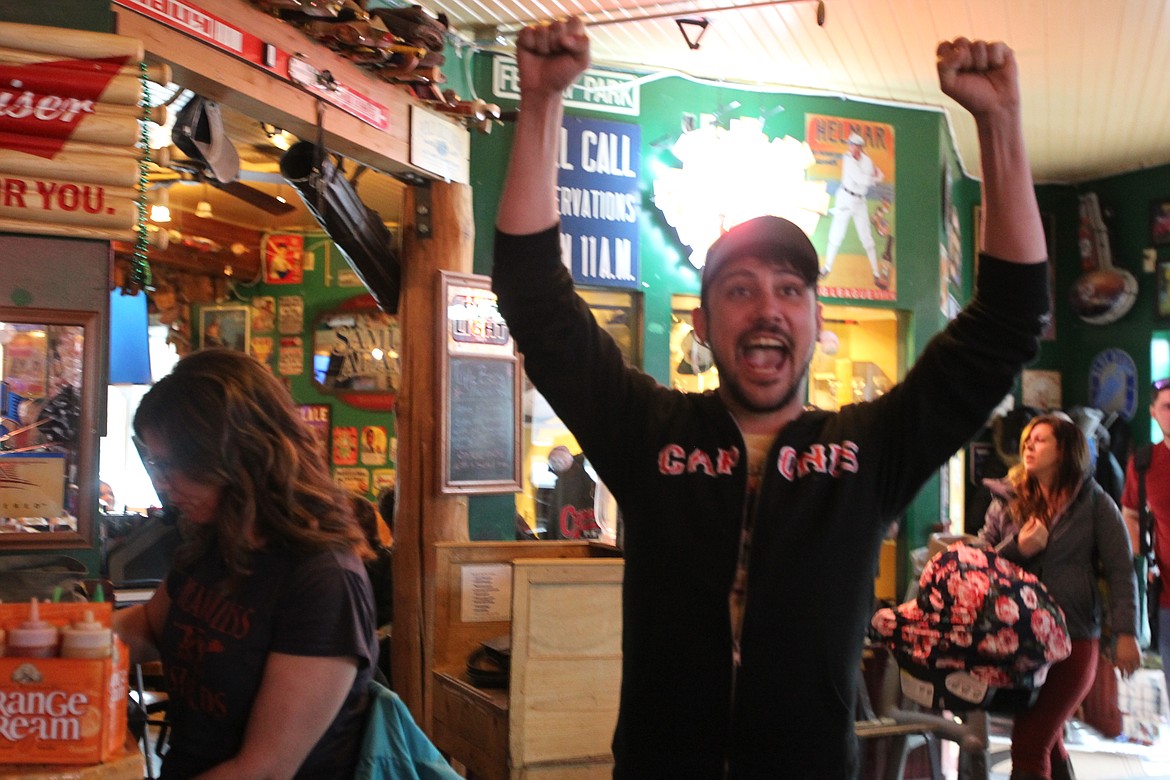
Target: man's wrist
[{"x": 540, "y": 101}]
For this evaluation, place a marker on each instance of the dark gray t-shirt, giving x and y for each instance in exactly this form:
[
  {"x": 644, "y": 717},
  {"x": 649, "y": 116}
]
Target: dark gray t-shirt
[{"x": 214, "y": 646}]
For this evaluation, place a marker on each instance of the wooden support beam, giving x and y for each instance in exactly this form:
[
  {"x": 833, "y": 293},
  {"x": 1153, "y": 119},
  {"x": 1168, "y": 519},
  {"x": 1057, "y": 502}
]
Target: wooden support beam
[{"x": 423, "y": 516}]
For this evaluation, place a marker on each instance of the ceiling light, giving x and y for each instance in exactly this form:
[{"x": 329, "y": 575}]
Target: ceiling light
[
  {"x": 281, "y": 139},
  {"x": 203, "y": 208}
]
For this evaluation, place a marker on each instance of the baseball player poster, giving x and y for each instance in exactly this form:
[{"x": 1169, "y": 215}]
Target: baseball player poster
[{"x": 856, "y": 160}]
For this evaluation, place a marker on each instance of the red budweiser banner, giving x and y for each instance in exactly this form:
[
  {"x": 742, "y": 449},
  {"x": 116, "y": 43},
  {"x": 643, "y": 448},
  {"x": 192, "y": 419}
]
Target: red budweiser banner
[
  {"x": 52, "y": 98},
  {"x": 69, "y": 128}
]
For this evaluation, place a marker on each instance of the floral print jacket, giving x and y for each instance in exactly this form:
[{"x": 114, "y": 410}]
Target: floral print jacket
[{"x": 979, "y": 623}]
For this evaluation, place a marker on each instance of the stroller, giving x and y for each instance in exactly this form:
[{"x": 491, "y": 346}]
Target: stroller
[{"x": 978, "y": 638}]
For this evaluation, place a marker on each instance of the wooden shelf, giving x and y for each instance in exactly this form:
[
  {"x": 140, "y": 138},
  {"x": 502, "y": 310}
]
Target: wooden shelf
[{"x": 219, "y": 76}]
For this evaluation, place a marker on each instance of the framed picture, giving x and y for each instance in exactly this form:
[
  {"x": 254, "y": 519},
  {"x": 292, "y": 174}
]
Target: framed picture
[
  {"x": 1160, "y": 221},
  {"x": 225, "y": 326},
  {"x": 263, "y": 313},
  {"x": 372, "y": 446},
  {"x": 1162, "y": 290}
]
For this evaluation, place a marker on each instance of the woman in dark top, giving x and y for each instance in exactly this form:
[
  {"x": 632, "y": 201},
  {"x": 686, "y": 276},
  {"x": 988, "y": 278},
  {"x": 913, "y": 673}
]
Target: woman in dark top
[
  {"x": 265, "y": 625},
  {"x": 1055, "y": 521}
]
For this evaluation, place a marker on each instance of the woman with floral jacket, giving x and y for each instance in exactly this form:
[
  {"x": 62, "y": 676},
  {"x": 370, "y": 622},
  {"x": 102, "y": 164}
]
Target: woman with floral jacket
[{"x": 1056, "y": 522}]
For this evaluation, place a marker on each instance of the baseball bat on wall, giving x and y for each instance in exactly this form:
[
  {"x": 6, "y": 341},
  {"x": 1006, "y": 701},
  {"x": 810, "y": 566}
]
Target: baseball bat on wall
[
  {"x": 34, "y": 199},
  {"x": 110, "y": 171},
  {"x": 156, "y": 114},
  {"x": 50, "y": 147},
  {"x": 48, "y": 80},
  {"x": 95, "y": 128},
  {"x": 39, "y": 114},
  {"x": 64, "y": 42},
  {"x": 10, "y": 225},
  {"x": 159, "y": 74}
]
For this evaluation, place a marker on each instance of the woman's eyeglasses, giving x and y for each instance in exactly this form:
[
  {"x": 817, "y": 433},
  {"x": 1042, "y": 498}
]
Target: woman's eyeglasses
[{"x": 155, "y": 467}]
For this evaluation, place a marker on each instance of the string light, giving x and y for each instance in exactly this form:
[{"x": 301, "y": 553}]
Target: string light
[{"x": 140, "y": 276}]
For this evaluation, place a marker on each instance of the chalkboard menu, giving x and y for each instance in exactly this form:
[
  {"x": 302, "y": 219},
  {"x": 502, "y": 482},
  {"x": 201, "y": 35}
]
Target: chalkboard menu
[
  {"x": 481, "y": 420},
  {"x": 480, "y": 391}
]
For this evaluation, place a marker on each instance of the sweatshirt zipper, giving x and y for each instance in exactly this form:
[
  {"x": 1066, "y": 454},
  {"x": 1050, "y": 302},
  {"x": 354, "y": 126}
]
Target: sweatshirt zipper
[{"x": 742, "y": 565}]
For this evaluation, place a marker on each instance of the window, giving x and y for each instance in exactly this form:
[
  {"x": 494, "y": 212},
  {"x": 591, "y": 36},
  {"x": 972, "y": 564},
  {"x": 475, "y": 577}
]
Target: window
[
  {"x": 120, "y": 466},
  {"x": 692, "y": 368},
  {"x": 858, "y": 357},
  {"x": 620, "y": 313}
]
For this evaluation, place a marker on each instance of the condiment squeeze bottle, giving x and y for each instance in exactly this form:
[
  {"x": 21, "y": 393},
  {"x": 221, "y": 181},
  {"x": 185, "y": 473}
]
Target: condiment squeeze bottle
[
  {"x": 86, "y": 638},
  {"x": 34, "y": 638}
]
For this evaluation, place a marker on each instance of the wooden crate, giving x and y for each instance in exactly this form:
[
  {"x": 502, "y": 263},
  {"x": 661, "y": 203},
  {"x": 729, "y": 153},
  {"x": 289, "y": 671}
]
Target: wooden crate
[
  {"x": 556, "y": 719},
  {"x": 566, "y": 663}
]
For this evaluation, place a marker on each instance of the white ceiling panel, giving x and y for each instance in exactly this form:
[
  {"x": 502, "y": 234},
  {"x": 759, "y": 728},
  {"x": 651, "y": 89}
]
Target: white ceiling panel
[{"x": 1094, "y": 74}]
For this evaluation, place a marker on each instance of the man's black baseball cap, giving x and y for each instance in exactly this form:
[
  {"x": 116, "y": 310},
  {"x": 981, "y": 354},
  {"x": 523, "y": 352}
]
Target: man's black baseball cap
[{"x": 769, "y": 238}]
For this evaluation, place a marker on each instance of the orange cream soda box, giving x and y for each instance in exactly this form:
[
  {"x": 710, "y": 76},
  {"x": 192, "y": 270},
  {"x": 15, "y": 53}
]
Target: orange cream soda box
[{"x": 62, "y": 710}]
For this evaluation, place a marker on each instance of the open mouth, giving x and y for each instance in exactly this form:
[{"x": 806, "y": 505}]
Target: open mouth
[{"x": 765, "y": 354}]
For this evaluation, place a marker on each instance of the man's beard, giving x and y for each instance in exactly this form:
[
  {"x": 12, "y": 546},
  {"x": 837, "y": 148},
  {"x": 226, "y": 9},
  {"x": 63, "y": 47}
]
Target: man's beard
[{"x": 736, "y": 394}]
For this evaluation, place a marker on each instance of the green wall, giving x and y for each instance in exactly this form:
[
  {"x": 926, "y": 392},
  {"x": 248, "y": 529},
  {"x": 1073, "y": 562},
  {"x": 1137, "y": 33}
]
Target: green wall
[
  {"x": 325, "y": 287},
  {"x": 1128, "y": 197},
  {"x": 922, "y": 143}
]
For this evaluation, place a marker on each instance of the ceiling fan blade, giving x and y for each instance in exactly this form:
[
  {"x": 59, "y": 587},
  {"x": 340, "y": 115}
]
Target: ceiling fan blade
[
  {"x": 263, "y": 177},
  {"x": 254, "y": 197}
]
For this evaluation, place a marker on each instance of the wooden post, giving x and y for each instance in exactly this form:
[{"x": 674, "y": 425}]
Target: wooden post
[{"x": 438, "y": 233}]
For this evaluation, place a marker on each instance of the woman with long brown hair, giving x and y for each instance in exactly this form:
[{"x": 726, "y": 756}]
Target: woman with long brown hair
[
  {"x": 265, "y": 625},
  {"x": 1056, "y": 522}
]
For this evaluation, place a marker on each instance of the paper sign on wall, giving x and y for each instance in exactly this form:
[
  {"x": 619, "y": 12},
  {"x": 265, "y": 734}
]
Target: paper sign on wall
[
  {"x": 486, "y": 593},
  {"x": 32, "y": 484}
]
